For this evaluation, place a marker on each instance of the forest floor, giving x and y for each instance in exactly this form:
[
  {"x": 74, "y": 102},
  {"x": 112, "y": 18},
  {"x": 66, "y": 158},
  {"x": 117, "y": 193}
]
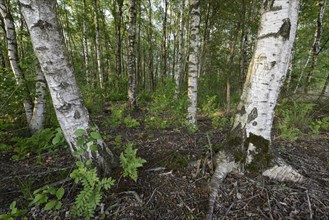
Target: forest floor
[{"x": 173, "y": 184}]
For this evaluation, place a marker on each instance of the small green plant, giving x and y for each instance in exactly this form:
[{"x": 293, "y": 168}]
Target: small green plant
[
  {"x": 320, "y": 125},
  {"x": 44, "y": 140},
  {"x": 294, "y": 117},
  {"x": 49, "y": 196},
  {"x": 118, "y": 142},
  {"x": 156, "y": 122},
  {"x": 116, "y": 116},
  {"x": 210, "y": 105},
  {"x": 130, "y": 162},
  {"x": 91, "y": 194},
  {"x": 220, "y": 122},
  {"x": 131, "y": 122},
  {"x": 14, "y": 213}
]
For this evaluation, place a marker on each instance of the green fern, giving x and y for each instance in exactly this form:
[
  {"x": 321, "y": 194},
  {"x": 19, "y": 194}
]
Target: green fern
[{"x": 130, "y": 162}]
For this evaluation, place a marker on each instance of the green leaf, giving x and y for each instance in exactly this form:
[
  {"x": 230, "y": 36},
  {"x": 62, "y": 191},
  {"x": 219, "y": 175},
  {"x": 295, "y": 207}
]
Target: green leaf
[
  {"x": 80, "y": 142},
  {"x": 60, "y": 193},
  {"x": 12, "y": 205},
  {"x": 93, "y": 147},
  {"x": 50, "y": 205},
  {"x": 96, "y": 135},
  {"x": 79, "y": 132},
  {"x": 58, "y": 205}
]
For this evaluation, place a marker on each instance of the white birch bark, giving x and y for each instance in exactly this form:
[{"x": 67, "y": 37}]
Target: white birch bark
[
  {"x": 85, "y": 43},
  {"x": 193, "y": 61},
  {"x": 132, "y": 99},
  {"x": 98, "y": 46},
  {"x": 13, "y": 59},
  {"x": 180, "y": 49},
  {"x": 248, "y": 145},
  {"x": 39, "y": 110},
  {"x": 48, "y": 44}
]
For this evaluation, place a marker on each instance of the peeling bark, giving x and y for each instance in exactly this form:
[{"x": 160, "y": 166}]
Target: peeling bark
[
  {"x": 193, "y": 61},
  {"x": 48, "y": 44},
  {"x": 248, "y": 146}
]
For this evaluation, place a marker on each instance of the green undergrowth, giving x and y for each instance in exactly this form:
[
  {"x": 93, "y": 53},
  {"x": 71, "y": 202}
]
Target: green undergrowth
[{"x": 295, "y": 119}]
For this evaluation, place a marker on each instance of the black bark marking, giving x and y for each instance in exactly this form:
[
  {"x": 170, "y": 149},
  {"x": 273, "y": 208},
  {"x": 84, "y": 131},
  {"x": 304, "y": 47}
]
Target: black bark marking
[
  {"x": 285, "y": 29},
  {"x": 65, "y": 107},
  {"x": 268, "y": 4},
  {"x": 77, "y": 114},
  {"x": 42, "y": 24},
  {"x": 26, "y": 6},
  {"x": 253, "y": 115},
  {"x": 273, "y": 63},
  {"x": 242, "y": 111}
]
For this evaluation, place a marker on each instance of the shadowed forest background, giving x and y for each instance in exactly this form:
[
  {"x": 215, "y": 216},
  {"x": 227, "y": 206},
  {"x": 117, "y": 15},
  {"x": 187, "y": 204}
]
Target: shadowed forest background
[{"x": 136, "y": 65}]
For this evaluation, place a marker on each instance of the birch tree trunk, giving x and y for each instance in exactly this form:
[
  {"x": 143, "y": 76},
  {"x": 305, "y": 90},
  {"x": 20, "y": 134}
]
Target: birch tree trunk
[
  {"x": 180, "y": 50},
  {"x": 150, "y": 49},
  {"x": 164, "y": 42},
  {"x": 316, "y": 46},
  {"x": 85, "y": 43},
  {"x": 248, "y": 144},
  {"x": 13, "y": 59},
  {"x": 132, "y": 99},
  {"x": 193, "y": 61},
  {"x": 118, "y": 47},
  {"x": 39, "y": 110},
  {"x": 48, "y": 44},
  {"x": 98, "y": 45}
]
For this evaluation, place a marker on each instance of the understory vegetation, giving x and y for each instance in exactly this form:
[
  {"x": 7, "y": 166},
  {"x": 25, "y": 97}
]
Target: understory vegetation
[{"x": 294, "y": 119}]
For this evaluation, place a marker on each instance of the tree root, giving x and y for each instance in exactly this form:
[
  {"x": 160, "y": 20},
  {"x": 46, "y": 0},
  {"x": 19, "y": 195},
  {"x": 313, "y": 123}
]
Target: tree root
[{"x": 225, "y": 164}]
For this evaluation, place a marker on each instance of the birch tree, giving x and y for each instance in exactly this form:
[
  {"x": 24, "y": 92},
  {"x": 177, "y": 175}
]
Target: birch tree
[
  {"x": 39, "y": 109},
  {"x": 316, "y": 45},
  {"x": 48, "y": 44},
  {"x": 98, "y": 45},
  {"x": 248, "y": 146},
  {"x": 193, "y": 61},
  {"x": 14, "y": 60},
  {"x": 132, "y": 57},
  {"x": 180, "y": 49},
  {"x": 85, "y": 42}
]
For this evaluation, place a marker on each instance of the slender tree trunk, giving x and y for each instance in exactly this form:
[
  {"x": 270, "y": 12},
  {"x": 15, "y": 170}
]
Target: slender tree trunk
[
  {"x": 118, "y": 47},
  {"x": 139, "y": 52},
  {"x": 244, "y": 41},
  {"x": 150, "y": 50},
  {"x": 248, "y": 146},
  {"x": 230, "y": 70},
  {"x": 98, "y": 45},
  {"x": 13, "y": 59},
  {"x": 316, "y": 45},
  {"x": 324, "y": 89},
  {"x": 39, "y": 110},
  {"x": 85, "y": 43},
  {"x": 180, "y": 50},
  {"x": 48, "y": 44},
  {"x": 164, "y": 43},
  {"x": 193, "y": 61},
  {"x": 132, "y": 99},
  {"x": 204, "y": 41}
]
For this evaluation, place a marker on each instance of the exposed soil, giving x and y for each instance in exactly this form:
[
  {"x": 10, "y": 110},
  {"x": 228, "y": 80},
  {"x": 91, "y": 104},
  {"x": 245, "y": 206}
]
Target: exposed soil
[{"x": 173, "y": 184}]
